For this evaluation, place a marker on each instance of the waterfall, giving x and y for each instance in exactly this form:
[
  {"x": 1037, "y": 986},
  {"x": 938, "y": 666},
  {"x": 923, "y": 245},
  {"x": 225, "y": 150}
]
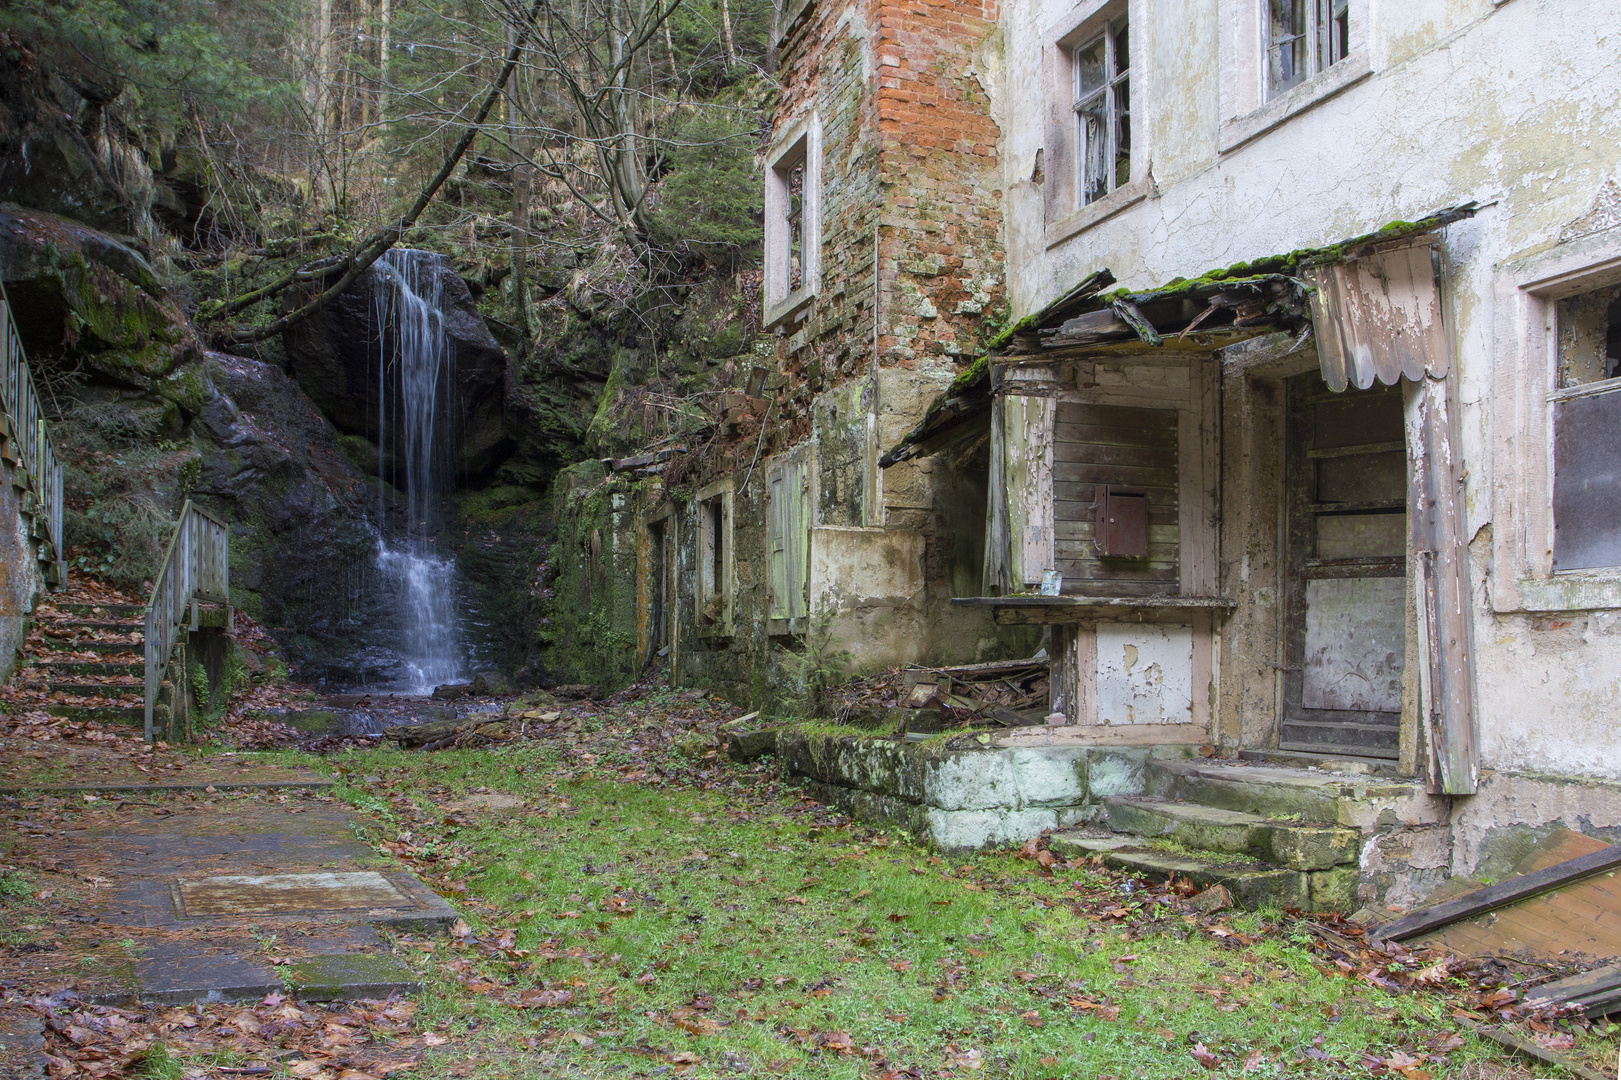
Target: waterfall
[{"x": 416, "y": 369}]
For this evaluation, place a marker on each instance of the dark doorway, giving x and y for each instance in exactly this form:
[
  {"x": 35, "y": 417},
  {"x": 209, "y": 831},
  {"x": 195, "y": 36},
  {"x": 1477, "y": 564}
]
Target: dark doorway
[{"x": 1345, "y": 612}]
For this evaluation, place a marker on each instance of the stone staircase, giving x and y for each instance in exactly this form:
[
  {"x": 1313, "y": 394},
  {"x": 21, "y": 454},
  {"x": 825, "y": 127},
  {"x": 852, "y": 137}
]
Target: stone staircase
[
  {"x": 85, "y": 660},
  {"x": 1289, "y": 836}
]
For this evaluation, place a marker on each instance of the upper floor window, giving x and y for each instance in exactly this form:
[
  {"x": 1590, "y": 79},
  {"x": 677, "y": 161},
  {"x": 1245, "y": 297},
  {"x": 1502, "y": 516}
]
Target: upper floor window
[
  {"x": 1303, "y": 38},
  {"x": 1102, "y": 67},
  {"x": 792, "y": 232}
]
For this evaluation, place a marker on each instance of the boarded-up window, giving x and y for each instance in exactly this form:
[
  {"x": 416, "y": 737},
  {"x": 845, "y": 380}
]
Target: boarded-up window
[
  {"x": 1129, "y": 449},
  {"x": 788, "y": 534},
  {"x": 1586, "y": 417}
]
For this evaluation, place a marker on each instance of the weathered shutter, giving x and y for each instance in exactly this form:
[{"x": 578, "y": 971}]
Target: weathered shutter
[
  {"x": 776, "y": 534},
  {"x": 796, "y": 524},
  {"x": 1027, "y": 440}
]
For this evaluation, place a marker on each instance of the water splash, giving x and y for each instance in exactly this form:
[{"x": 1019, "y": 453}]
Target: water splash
[{"x": 415, "y": 373}]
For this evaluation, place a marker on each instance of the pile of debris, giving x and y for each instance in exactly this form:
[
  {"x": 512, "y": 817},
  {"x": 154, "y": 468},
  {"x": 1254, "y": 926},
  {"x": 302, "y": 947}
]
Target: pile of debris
[{"x": 1002, "y": 693}]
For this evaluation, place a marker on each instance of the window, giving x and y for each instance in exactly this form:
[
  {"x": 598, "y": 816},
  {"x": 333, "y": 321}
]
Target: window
[
  {"x": 1304, "y": 37},
  {"x": 1586, "y": 415},
  {"x": 1102, "y": 68},
  {"x": 657, "y": 592},
  {"x": 792, "y": 231},
  {"x": 714, "y": 508}
]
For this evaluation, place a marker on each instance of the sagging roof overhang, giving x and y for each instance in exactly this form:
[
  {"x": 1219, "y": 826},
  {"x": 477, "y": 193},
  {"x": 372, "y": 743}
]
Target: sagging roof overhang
[{"x": 1372, "y": 317}]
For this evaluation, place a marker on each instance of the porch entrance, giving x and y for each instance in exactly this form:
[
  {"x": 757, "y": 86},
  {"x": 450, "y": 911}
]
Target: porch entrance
[{"x": 1345, "y": 602}]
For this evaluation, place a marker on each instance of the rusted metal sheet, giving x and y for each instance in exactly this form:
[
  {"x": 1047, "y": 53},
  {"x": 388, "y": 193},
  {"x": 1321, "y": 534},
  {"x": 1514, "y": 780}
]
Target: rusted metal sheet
[
  {"x": 1441, "y": 584},
  {"x": 1378, "y": 317},
  {"x": 274, "y": 894}
]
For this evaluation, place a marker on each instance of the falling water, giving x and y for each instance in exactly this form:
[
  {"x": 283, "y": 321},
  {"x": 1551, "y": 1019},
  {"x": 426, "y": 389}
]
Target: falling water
[{"x": 415, "y": 372}]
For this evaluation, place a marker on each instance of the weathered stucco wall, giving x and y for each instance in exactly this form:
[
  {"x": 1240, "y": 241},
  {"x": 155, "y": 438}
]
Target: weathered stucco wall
[
  {"x": 21, "y": 583},
  {"x": 1507, "y": 105}
]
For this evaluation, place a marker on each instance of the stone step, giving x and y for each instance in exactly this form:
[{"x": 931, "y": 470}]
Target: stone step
[
  {"x": 111, "y": 648},
  {"x": 107, "y": 714},
  {"x": 1341, "y": 736},
  {"x": 1253, "y": 884},
  {"x": 1291, "y": 844},
  {"x": 56, "y": 669},
  {"x": 1279, "y": 791},
  {"x": 133, "y": 612},
  {"x": 112, "y": 690}
]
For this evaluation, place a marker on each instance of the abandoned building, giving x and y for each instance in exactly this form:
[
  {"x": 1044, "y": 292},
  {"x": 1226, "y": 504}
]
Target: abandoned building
[{"x": 1256, "y": 359}]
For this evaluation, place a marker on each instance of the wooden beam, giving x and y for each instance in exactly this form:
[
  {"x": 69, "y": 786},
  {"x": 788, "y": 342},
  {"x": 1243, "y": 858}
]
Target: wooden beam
[{"x": 1502, "y": 894}]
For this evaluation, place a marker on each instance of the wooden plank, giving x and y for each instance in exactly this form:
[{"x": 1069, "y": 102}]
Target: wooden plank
[
  {"x": 1110, "y": 434},
  {"x": 1118, "y": 416},
  {"x": 1074, "y": 521},
  {"x": 1500, "y": 895},
  {"x": 1533, "y": 1051},
  {"x": 1599, "y": 984},
  {"x": 1200, "y": 498},
  {"x": 1086, "y": 674},
  {"x": 1153, "y": 457},
  {"x": 1083, "y": 531},
  {"x": 1072, "y": 472}
]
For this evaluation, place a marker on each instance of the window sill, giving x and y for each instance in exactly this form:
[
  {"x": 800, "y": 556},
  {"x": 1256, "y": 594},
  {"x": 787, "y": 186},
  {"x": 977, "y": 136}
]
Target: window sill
[
  {"x": 786, "y": 309},
  {"x": 1573, "y": 590},
  {"x": 1107, "y": 207},
  {"x": 1319, "y": 88}
]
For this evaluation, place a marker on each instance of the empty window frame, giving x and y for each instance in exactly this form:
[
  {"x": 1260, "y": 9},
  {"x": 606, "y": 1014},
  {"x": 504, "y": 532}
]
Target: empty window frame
[
  {"x": 1586, "y": 416},
  {"x": 791, "y": 230},
  {"x": 1102, "y": 68},
  {"x": 715, "y": 560},
  {"x": 1303, "y": 37}
]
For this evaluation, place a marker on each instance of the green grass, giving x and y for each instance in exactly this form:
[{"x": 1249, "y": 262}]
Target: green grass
[{"x": 699, "y": 927}]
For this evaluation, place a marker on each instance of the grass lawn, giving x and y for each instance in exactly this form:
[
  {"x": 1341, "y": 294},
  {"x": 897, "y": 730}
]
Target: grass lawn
[{"x": 719, "y": 924}]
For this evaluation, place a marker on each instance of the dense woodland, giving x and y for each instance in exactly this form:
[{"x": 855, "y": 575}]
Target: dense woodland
[{"x": 590, "y": 166}]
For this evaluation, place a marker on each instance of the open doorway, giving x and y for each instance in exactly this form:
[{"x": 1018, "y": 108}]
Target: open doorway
[{"x": 1345, "y": 613}]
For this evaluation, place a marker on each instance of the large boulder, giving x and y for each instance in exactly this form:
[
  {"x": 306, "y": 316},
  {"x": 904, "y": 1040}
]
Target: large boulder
[
  {"x": 334, "y": 356},
  {"x": 82, "y": 297}
]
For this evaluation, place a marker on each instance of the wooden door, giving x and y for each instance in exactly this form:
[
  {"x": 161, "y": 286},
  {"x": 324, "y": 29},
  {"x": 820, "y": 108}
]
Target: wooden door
[{"x": 1346, "y": 570}]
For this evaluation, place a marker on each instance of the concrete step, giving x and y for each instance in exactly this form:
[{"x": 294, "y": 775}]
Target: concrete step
[
  {"x": 108, "y": 648},
  {"x": 1369, "y": 737},
  {"x": 107, "y": 714},
  {"x": 1294, "y": 845},
  {"x": 58, "y": 668},
  {"x": 1356, "y": 764},
  {"x": 1252, "y": 883},
  {"x": 1280, "y": 791}
]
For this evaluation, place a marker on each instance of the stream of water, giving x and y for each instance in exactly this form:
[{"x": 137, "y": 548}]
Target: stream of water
[{"x": 416, "y": 368}]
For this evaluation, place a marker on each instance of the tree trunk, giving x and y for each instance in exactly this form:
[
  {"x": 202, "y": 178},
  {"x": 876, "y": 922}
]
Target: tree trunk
[
  {"x": 520, "y": 213},
  {"x": 726, "y": 34},
  {"x": 384, "y": 34}
]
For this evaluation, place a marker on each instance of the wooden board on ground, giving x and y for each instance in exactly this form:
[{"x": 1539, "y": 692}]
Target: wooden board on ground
[{"x": 1580, "y": 919}]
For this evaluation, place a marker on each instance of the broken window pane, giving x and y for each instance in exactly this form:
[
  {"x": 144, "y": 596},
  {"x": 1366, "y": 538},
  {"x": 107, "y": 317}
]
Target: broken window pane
[
  {"x": 1590, "y": 337},
  {"x": 796, "y": 227},
  {"x": 1103, "y": 112},
  {"x": 1302, "y": 38}
]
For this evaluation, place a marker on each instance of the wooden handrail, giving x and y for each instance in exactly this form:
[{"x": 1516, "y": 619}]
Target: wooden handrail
[
  {"x": 27, "y": 445},
  {"x": 196, "y": 567}
]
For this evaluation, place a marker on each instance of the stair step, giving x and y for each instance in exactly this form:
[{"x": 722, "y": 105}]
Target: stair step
[
  {"x": 1361, "y": 764},
  {"x": 1253, "y": 884},
  {"x": 54, "y": 670},
  {"x": 1279, "y": 791},
  {"x": 116, "y": 611},
  {"x": 72, "y": 625},
  {"x": 107, "y": 714},
  {"x": 1366, "y": 736},
  {"x": 112, "y": 690},
  {"x": 1293, "y": 844},
  {"x": 60, "y": 644}
]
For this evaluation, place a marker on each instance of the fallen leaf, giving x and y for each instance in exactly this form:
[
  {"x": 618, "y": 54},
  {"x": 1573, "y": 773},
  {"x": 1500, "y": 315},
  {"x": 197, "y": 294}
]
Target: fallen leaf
[{"x": 1204, "y": 1057}]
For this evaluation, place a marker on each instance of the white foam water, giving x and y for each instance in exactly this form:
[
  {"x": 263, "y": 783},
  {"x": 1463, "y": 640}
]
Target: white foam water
[{"x": 412, "y": 421}]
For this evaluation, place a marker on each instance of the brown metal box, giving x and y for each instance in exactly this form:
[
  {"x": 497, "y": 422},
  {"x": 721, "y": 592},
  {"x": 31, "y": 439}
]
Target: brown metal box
[{"x": 1121, "y": 531}]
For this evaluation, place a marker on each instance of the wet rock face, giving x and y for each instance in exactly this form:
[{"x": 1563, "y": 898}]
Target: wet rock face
[
  {"x": 76, "y": 290},
  {"x": 334, "y": 357},
  {"x": 300, "y": 544}
]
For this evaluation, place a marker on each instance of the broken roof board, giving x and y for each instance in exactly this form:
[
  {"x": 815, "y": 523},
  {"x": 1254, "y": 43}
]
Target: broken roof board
[{"x": 1378, "y": 316}]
